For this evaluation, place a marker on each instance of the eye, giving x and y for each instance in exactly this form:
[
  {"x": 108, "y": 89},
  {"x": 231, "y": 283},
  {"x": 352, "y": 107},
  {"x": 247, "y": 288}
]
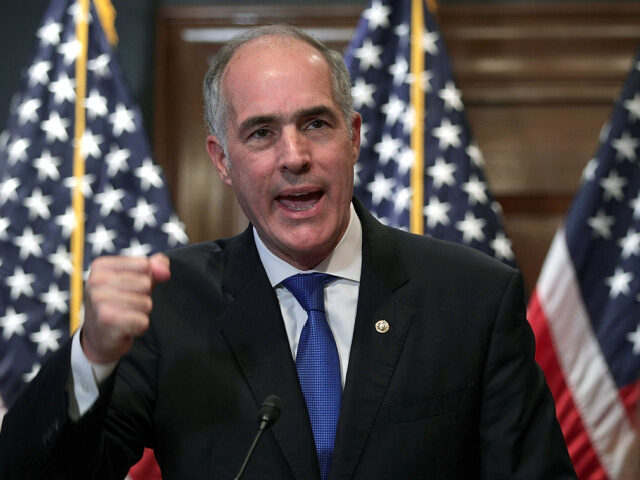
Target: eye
[
  {"x": 261, "y": 133},
  {"x": 316, "y": 124}
]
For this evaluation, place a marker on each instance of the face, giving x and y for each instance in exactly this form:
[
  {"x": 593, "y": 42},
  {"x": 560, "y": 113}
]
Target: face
[{"x": 290, "y": 155}]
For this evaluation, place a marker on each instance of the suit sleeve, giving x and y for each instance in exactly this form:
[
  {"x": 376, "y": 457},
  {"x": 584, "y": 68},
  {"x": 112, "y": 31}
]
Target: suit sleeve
[
  {"x": 38, "y": 439},
  {"x": 521, "y": 438}
]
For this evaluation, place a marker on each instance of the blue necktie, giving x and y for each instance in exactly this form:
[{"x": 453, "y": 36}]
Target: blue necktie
[{"x": 318, "y": 364}]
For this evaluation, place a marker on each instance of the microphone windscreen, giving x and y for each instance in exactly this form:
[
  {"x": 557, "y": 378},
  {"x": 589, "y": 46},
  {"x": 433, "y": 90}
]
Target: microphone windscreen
[{"x": 270, "y": 409}]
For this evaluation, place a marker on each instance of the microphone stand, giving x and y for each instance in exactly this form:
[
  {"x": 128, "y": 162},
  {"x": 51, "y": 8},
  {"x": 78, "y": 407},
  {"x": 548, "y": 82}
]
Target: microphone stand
[{"x": 268, "y": 414}]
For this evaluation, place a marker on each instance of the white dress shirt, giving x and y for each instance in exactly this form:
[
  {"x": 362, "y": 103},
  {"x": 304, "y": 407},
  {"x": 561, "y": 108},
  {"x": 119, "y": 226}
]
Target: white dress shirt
[
  {"x": 341, "y": 296},
  {"x": 341, "y": 301}
]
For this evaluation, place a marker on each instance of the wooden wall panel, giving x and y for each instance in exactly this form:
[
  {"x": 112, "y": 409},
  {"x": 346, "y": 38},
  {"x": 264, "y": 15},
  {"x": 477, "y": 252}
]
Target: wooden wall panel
[{"x": 538, "y": 82}]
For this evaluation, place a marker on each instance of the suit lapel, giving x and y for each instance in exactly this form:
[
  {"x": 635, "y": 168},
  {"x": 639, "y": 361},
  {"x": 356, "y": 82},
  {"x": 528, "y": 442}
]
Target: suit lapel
[
  {"x": 255, "y": 332},
  {"x": 373, "y": 355}
]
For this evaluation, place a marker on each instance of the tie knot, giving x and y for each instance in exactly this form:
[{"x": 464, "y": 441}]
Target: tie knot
[{"x": 308, "y": 288}]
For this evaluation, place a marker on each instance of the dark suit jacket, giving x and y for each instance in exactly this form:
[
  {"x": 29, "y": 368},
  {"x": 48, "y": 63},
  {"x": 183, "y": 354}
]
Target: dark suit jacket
[{"x": 451, "y": 391}]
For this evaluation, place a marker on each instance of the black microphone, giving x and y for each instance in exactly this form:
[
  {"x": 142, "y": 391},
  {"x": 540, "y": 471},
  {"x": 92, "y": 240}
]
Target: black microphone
[{"x": 267, "y": 416}]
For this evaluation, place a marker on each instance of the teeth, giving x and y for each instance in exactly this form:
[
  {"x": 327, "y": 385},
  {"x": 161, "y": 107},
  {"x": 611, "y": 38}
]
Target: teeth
[
  {"x": 300, "y": 208},
  {"x": 299, "y": 202}
]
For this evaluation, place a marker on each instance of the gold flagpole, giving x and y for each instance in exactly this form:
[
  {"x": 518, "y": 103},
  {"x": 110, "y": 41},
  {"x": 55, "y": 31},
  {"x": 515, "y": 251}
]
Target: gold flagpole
[
  {"x": 77, "y": 199},
  {"x": 416, "y": 222},
  {"x": 107, "y": 13}
]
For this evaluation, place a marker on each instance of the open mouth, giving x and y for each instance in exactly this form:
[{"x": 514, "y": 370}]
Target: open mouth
[{"x": 300, "y": 201}]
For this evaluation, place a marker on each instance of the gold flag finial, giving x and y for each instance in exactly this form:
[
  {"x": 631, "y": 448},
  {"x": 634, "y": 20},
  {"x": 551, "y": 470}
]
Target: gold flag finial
[{"x": 107, "y": 14}]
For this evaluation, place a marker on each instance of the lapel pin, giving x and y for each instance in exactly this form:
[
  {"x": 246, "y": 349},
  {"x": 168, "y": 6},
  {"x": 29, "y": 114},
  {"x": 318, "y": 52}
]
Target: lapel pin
[{"x": 382, "y": 326}]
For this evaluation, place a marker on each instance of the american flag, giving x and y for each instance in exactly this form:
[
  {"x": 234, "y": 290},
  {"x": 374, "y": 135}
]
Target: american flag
[
  {"x": 127, "y": 208},
  {"x": 586, "y": 307},
  {"x": 457, "y": 203}
]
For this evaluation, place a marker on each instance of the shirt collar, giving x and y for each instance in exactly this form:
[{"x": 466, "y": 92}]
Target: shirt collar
[{"x": 345, "y": 261}]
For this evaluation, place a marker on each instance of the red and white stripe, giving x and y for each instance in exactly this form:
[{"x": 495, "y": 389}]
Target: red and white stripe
[{"x": 597, "y": 425}]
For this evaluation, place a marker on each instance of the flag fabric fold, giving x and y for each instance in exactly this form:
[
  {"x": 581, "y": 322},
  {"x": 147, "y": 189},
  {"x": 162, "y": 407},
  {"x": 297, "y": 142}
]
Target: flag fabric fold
[
  {"x": 127, "y": 209},
  {"x": 458, "y": 205},
  {"x": 585, "y": 310}
]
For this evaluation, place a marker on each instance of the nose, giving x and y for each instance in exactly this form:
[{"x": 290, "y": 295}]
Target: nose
[{"x": 294, "y": 152}]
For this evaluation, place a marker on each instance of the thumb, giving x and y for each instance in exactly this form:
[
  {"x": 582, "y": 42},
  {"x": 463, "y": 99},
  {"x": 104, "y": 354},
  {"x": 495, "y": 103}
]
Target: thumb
[{"x": 160, "y": 271}]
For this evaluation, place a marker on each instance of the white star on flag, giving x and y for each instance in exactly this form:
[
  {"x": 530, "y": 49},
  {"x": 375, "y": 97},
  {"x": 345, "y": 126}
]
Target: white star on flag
[
  {"x": 55, "y": 127},
  {"x": 502, "y": 246},
  {"x": 20, "y": 283},
  {"x": 100, "y": 65},
  {"x": 451, "y": 96},
  {"x": 49, "y": 33},
  {"x": 137, "y": 249},
  {"x": 4, "y": 225},
  {"x": 362, "y": 94},
  {"x": 476, "y": 189},
  {"x": 626, "y": 146},
  {"x": 63, "y": 89},
  {"x": 17, "y": 151},
  {"x": 39, "y": 73},
  {"x": 70, "y": 50},
  {"x": 174, "y": 229},
  {"x": 377, "y": 14},
  {"x": 430, "y": 42},
  {"x": 619, "y": 283},
  {"x": 90, "y": 144},
  {"x": 393, "y": 109},
  {"x": 122, "y": 120},
  {"x": 143, "y": 215},
  {"x": 28, "y": 110},
  {"x": 448, "y": 134},
  {"x": 55, "y": 300},
  {"x": 601, "y": 224},
  {"x": 612, "y": 186},
  {"x": 47, "y": 166},
  {"x": 102, "y": 240},
  {"x": 96, "y": 105},
  {"x": 387, "y": 148},
  {"x": 369, "y": 55},
  {"x": 28, "y": 243},
  {"x": 436, "y": 212},
  {"x": 46, "y": 339},
  {"x": 8, "y": 190},
  {"x": 380, "y": 189},
  {"x": 110, "y": 200},
  {"x": 149, "y": 175},
  {"x": 117, "y": 160},
  {"x": 630, "y": 244},
  {"x": 38, "y": 205},
  {"x": 633, "y": 106},
  {"x": 399, "y": 71},
  {"x": 61, "y": 261},
  {"x": 12, "y": 323},
  {"x": 442, "y": 173},
  {"x": 634, "y": 338},
  {"x": 471, "y": 228}
]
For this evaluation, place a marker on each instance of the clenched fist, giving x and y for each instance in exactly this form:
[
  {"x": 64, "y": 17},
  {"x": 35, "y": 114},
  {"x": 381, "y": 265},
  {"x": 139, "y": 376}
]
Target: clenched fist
[{"x": 117, "y": 303}]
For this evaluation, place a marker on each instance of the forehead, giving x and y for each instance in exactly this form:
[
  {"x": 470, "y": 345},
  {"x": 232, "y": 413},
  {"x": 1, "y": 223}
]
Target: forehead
[{"x": 274, "y": 71}]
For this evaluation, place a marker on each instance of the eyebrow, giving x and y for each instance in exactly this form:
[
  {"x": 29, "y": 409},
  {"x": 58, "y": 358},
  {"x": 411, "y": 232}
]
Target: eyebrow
[{"x": 316, "y": 111}]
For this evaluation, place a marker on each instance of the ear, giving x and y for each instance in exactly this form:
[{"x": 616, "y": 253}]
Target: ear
[
  {"x": 356, "y": 123},
  {"x": 218, "y": 158}
]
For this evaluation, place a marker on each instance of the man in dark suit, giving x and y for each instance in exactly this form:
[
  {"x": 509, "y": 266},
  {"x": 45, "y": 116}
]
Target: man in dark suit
[{"x": 435, "y": 359}]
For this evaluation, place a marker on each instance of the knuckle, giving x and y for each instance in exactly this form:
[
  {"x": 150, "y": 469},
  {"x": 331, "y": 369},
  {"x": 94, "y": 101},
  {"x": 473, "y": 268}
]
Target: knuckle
[{"x": 147, "y": 305}]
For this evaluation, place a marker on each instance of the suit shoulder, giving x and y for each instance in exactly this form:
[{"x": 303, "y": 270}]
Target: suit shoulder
[
  {"x": 195, "y": 251},
  {"x": 196, "y": 262},
  {"x": 441, "y": 255}
]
